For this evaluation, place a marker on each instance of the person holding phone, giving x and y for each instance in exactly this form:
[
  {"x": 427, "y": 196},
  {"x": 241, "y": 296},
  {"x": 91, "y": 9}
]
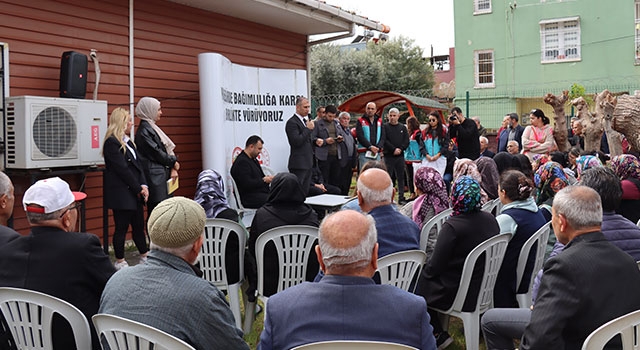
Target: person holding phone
[{"x": 465, "y": 132}]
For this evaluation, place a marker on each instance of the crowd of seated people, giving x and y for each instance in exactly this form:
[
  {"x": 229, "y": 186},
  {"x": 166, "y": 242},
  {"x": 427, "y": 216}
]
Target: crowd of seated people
[{"x": 592, "y": 203}]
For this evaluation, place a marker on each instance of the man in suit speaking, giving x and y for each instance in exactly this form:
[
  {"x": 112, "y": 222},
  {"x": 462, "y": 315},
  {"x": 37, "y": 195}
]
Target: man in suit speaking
[
  {"x": 346, "y": 300},
  {"x": 298, "y": 129}
]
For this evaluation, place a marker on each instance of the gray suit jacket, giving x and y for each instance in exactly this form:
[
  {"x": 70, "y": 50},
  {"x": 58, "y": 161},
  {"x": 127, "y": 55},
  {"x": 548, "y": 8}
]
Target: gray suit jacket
[
  {"x": 345, "y": 308},
  {"x": 590, "y": 283},
  {"x": 321, "y": 132}
]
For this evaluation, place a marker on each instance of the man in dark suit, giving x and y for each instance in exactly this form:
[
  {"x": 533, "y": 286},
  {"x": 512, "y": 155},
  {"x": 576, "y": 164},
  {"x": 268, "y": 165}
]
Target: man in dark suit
[
  {"x": 298, "y": 129},
  {"x": 590, "y": 283},
  {"x": 344, "y": 303},
  {"x": 55, "y": 260},
  {"x": 247, "y": 173},
  {"x": 484, "y": 147}
]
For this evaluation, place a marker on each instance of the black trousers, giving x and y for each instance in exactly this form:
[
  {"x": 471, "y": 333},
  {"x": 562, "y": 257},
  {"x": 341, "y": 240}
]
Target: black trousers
[
  {"x": 304, "y": 177},
  {"x": 330, "y": 170},
  {"x": 123, "y": 219},
  {"x": 395, "y": 168}
]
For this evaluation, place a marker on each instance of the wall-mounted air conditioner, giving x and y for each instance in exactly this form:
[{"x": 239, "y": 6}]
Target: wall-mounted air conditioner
[{"x": 48, "y": 132}]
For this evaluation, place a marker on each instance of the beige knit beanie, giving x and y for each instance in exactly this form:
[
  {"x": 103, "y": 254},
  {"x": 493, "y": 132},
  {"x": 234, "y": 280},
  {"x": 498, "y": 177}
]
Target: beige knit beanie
[{"x": 176, "y": 222}]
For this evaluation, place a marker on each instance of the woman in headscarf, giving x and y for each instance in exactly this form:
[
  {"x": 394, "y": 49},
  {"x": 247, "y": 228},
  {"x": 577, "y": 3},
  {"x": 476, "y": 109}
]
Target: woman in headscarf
[
  {"x": 440, "y": 278},
  {"x": 432, "y": 200},
  {"x": 156, "y": 149},
  {"x": 489, "y": 172},
  {"x": 549, "y": 180},
  {"x": 465, "y": 166},
  {"x": 585, "y": 162},
  {"x": 521, "y": 218},
  {"x": 627, "y": 167},
  {"x": 285, "y": 206},
  {"x": 210, "y": 195},
  {"x": 125, "y": 186}
]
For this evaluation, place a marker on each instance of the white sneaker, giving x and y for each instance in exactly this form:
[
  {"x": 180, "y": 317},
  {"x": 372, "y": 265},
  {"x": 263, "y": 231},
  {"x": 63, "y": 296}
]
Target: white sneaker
[
  {"x": 143, "y": 259},
  {"x": 120, "y": 264}
]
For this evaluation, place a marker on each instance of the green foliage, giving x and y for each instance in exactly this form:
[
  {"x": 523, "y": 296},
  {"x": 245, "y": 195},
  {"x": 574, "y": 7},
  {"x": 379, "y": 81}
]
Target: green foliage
[
  {"x": 393, "y": 65},
  {"x": 578, "y": 90}
]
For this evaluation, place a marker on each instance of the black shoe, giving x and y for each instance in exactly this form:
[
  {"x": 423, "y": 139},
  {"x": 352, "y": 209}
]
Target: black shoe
[
  {"x": 402, "y": 201},
  {"x": 443, "y": 340}
]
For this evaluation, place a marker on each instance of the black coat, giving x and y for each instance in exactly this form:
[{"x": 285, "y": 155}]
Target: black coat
[
  {"x": 123, "y": 176},
  {"x": 156, "y": 161},
  {"x": 299, "y": 137},
  {"x": 67, "y": 265},
  {"x": 248, "y": 174}
]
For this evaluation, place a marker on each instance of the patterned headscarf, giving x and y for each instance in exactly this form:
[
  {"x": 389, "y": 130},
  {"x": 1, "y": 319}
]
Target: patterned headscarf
[
  {"x": 626, "y": 166},
  {"x": 549, "y": 179},
  {"x": 465, "y": 166},
  {"x": 465, "y": 196},
  {"x": 538, "y": 161},
  {"x": 586, "y": 162},
  {"x": 434, "y": 194},
  {"x": 489, "y": 171},
  {"x": 210, "y": 193}
]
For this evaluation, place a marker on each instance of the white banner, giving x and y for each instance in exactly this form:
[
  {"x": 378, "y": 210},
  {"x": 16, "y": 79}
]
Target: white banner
[{"x": 239, "y": 101}]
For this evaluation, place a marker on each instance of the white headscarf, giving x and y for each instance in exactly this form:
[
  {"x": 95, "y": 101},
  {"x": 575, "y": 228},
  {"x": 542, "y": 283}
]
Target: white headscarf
[{"x": 147, "y": 109}]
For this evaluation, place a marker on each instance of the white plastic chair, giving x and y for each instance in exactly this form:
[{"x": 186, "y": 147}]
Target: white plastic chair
[
  {"x": 628, "y": 326},
  {"x": 353, "y": 345},
  {"x": 124, "y": 334},
  {"x": 638, "y": 223},
  {"x": 246, "y": 214},
  {"x": 294, "y": 244},
  {"x": 213, "y": 258},
  {"x": 491, "y": 205},
  {"x": 399, "y": 269},
  {"x": 437, "y": 221},
  {"x": 29, "y": 316},
  {"x": 539, "y": 240},
  {"x": 494, "y": 247},
  {"x": 267, "y": 170}
]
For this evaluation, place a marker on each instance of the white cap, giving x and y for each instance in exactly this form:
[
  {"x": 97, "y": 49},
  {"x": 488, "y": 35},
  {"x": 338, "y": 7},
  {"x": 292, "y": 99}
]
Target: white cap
[{"x": 50, "y": 195}]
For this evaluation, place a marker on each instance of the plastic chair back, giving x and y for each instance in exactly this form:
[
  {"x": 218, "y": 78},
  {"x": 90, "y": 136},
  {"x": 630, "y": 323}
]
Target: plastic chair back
[
  {"x": 293, "y": 244},
  {"x": 353, "y": 345},
  {"x": 213, "y": 258},
  {"x": 399, "y": 269},
  {"x": 539, "y": 240},
  {"x": 29, "y": 316},
  {"x": 628, "y": 326},
  {"x": 493, "y": 206},
  {"x": 437, "y": 221},
  {"x": 494, "y": 249},
  {"x": 235, "y": 202},
  {"x": 124, "y": 334}
]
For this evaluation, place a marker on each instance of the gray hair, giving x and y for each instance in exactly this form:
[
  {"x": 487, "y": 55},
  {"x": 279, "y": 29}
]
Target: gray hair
[
  {"x": 5, "y": 184},
  {"x": 36, "y": 218},
  {"x": 483, "y": 139},
  {"x": 580, "y": 205},
  {"x": 475, "y": 118},
  {"x": 371, "y": 196},
  {"x": 343, "y": 114},
  {"x": 394, "y": 110},
  {"x": 177, "y": 251},
  {"x": 355, "y": 257}
]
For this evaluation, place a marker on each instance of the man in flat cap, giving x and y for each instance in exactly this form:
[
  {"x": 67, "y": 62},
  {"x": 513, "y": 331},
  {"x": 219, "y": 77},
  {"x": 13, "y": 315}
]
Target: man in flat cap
[
  {"x": 55, "y": 260},
  {"x": 168, "y": 291}
]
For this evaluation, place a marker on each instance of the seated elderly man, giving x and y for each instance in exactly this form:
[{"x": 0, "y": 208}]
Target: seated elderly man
[
  {"x": 513, "y": 147},
  {"x": 582, "y": 287},
  {"x": 55, "y": 260},
  {"x": 168, "y": 291},
  {"x": 346, "y": 304},
  {"x": 396, "y": 232}
]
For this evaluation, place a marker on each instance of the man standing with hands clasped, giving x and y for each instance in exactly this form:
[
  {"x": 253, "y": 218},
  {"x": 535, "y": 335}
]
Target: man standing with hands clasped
[
  {"x": 298, "y": 129},
  {"x": 370, "y": 135},
  {"x": 396, "y": 141}
]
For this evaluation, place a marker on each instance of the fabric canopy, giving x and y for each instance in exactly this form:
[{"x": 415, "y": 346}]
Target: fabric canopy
[{"x": 357, "y": 103}]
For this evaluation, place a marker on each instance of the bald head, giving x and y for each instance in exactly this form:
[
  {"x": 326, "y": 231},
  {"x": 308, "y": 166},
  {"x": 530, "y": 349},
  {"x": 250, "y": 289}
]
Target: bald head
[
  {"x": 576, "y": 210},
  {"x": 347, "y": 244},
  {"x": 370, "y": 110},
  {"x": 375, "y": 189}
]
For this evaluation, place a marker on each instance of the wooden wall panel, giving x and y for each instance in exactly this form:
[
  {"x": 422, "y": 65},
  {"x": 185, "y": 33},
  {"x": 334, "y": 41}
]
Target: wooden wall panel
[{"x": 167, "y": 40}]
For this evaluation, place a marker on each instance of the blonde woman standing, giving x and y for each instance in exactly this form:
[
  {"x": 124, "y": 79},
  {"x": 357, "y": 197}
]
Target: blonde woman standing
[{"x": 125, "y": 188}]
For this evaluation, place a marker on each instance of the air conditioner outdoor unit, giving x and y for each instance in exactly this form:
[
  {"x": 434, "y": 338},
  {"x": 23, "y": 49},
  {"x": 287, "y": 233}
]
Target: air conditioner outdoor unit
[{"x": 48, "y": 132}]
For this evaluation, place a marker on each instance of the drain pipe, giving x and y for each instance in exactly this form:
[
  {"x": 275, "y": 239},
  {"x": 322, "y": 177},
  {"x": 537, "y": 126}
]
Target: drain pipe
[{"x": 131, "y": 85}]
